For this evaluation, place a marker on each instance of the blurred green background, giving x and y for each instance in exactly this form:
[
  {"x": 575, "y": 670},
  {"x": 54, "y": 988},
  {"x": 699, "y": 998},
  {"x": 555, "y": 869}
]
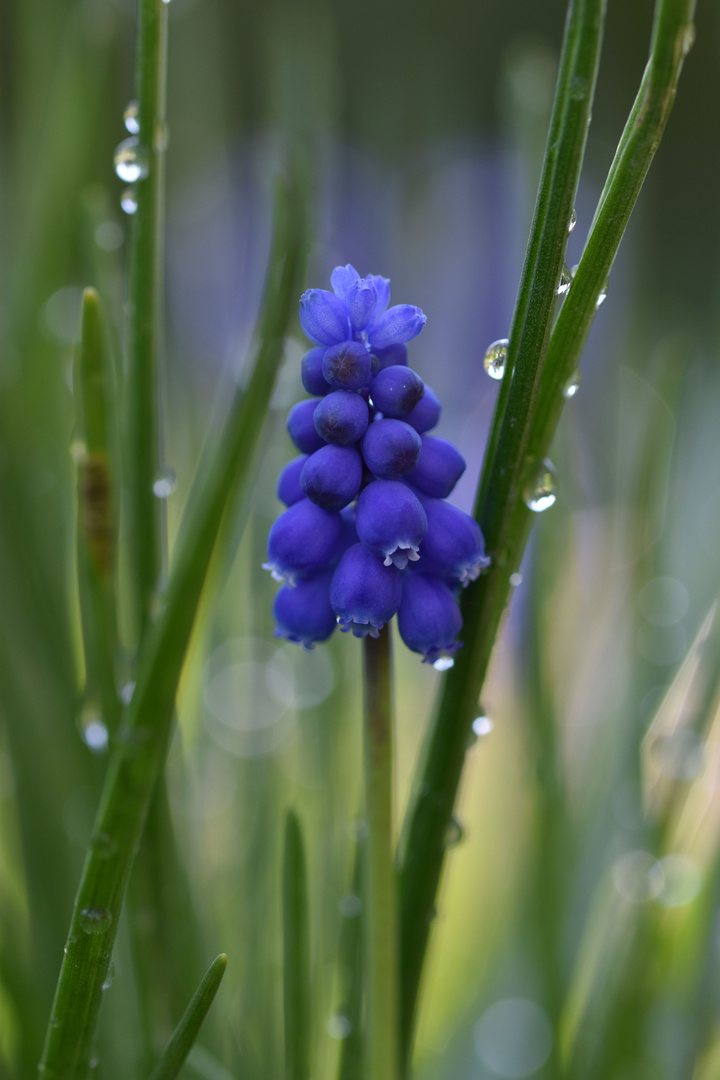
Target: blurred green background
[{"x": 577, "y": 930}]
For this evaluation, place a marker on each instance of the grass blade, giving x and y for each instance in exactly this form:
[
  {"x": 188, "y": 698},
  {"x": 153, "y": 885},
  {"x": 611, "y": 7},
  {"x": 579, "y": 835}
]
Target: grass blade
[
  {"x": 483, "y": 604},
  {"x": 185, "y": 1034},
  {"x": 140, "y": 746},
  {"x": 296, "y": 953}
]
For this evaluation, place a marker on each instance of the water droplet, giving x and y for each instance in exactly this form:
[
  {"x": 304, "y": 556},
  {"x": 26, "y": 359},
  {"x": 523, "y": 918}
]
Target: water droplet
[
  {"x": 95, "y": 735},
  {"x": 444, "y": 663},
  {"x": 109, "y": 977},
  {"x": 126, "y": 692},
  {"x": 565, "y": 280},
  {"x": 482, "y": 725},
  {"x": 543, "y": 492},
  {"x": 165, "y": 483},
  {"x": 350, "y": 906},
  {"x": 513, "y": 1038},
  {"x": 161, "y": 137},
  {"x": 495, "y": 358},
  {"x": 131, "y": 117},
  {"x": 95, "y": 920},
  {"x": 572, "y": 386},
  {"x": 680, "y": 756},
  {"x": 131, "y": 160},
  {"x": 602, "y": 296},
  {"x": 636, "y": 876},
  {"x": 78, "y": 451},
  {"x": 103, "y": 845},
  {"x": 338, "y": 1027},
  {"x": 578, "y": 88},
  {"x": 109, "y": 236},
  {"x": 573, "y": 220},
  {"x": 166, "y": 1},
  {"x": 516, "y": 579},
  {"x": 455, "y": 833},
  {"x": 688, "y": 38},
  {"x": 128, "y": 200}
]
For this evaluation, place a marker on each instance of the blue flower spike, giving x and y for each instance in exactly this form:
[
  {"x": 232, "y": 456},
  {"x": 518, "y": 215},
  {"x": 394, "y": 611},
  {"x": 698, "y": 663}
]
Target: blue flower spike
[{"x": 366, "y": 534}]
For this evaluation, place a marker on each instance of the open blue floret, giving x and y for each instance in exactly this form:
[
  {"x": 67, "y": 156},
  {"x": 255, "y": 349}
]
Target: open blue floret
[{"x": 367, "y": 534}]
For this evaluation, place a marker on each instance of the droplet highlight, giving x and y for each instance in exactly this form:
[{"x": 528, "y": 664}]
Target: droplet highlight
[
  {"x": 131, "y": 160},
  {"x": 602, "y": 296},
  {"x": 165, "y": 483},
  {"x": 565, "y": 281},
  {"x": 495, "y": 358},
  {"x": 444, "y": 663},
  {"x": 572, "y": 386},
  {"x": 482, "y": 725},
  {"x": 455, "y": 833},
  {"x": 109, "y": 977},
  {"x": 95, "y": 920},
  {"x": 131, "y": 117},
  {"x": 543, "y": 492},
  {"x": 573, "y": 220},
  {"x": 128, "y": 200}
]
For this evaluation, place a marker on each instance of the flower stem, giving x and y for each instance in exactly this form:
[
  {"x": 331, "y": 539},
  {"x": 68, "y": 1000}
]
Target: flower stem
[{"x": 381, "y": 942}]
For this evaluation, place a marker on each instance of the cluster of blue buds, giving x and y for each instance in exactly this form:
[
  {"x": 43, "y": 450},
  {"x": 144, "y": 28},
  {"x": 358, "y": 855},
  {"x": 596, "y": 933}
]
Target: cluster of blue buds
[{"x": 367, "y": 533}]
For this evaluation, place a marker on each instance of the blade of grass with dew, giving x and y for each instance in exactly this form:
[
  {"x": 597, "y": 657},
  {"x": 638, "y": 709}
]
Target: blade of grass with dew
[
  {"x": 185, "y": 1034},
  {"x": 97, "y": 519},
  {"x": 350, "y": 953},
  {"x": 483, "y": 604},
  {"x": 140, "y": 746},
  {"x": 382, "y": 1050},
  {"x": 296, "y": 954},
  {"x": 507, "y": 523}
]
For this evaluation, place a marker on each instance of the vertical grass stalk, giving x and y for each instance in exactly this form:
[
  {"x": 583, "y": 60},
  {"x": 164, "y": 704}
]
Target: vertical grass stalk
[
  {"x": 380, "y": 932},
  {"x": 296, "y": 954}
]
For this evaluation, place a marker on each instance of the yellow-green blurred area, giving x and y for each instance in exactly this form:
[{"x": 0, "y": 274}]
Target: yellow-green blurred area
[{"x": 577, "y": 929}]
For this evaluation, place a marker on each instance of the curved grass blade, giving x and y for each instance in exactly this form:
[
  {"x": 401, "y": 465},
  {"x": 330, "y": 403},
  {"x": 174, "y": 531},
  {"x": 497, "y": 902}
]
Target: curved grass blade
[
  {"x": 483, "y": 604},
  {"x": 97, "y": 519},
  {"x": 185, "y": 1034},
  {"x": 140, "y": 746},
  {"x": 296, "y": 954},
  {"x": 506, "y": 519}
]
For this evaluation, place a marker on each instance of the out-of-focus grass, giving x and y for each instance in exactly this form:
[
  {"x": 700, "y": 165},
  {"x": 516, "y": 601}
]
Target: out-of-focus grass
[{"x": 535, "y": 901}]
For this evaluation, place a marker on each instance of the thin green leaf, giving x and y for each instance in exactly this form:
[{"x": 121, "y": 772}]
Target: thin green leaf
[
  {"x": 140, "y": 746},
  {"x": 350, "y": 954},
  {"x": 185, "y": 1034},
  {"x": 296, "y": 954}
]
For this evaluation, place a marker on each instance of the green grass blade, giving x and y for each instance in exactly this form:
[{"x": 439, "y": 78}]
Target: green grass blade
[
  {"x": 350, "y": 954},
  {"x": 97, "y": 519},
  {"x": 483, "y": 604},
  {"x": 502, "y": 513},
  {"x": 185, "y": 1034},
  {"x": 145, "y": 314},
  {"x": 140, "y": 746},
  {"x": 296, "y": 954}
]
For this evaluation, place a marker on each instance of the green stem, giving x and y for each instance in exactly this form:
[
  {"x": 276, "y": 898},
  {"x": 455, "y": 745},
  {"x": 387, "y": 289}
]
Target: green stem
[
  {"x": 380, "y": 937},
  {"x": 185, "y": 1034},
  {"x": 146, "y": 256},
  {"x": 296, "y": 950},
  {"x": 141, "y": 743},
  {"x": 97, "y": 520},
  {"x": 501, "y": 511}
]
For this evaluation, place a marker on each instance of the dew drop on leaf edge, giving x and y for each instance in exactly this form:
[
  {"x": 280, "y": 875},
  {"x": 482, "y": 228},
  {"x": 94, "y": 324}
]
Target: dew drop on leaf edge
[
  {"x": 495, "y": 358},
  {"x": 131, "y": 160},
  {"x": 542, "y": 493},
  {"x": 131, "y": 117}
]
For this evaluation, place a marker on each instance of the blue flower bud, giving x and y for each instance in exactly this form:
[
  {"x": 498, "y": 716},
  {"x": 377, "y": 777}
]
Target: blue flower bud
[
  {"x": 396, "y": 390},
  {"x": 364, "y": 594},
  {"x": 398, "y": 324},
  {"x": 303, "y": 612},
  {"x": 303, "y": 541},
  {"x": 390, "y": 448},
  {"x": 391, "y": 521},
  {"x": 301, "y": 427},
  {"x": 311, "y": 372},
  {"x": 342, "y": 417},
  {"x": 324, "y": 317},
  {"x": 454, "y": 547},
  {"x": 342, "y": 280},
  {"x": 439, "y": 467},
  {"x": 361, "y": 301},
  {"x": 391, "y": 356},
  {"x": 426, "y": 413},
  {"x": 331, "y": 477},
  {"x": 382, "y": 288},
  {"x": 289, "y": 489},
  {"x": 429, "y": 619},
  {"x": 347, "y": 366}
]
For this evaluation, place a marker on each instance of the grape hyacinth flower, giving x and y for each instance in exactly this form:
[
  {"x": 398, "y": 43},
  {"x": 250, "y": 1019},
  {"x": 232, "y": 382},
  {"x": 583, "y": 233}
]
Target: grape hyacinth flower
[{"x": 366, "y": 534}]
